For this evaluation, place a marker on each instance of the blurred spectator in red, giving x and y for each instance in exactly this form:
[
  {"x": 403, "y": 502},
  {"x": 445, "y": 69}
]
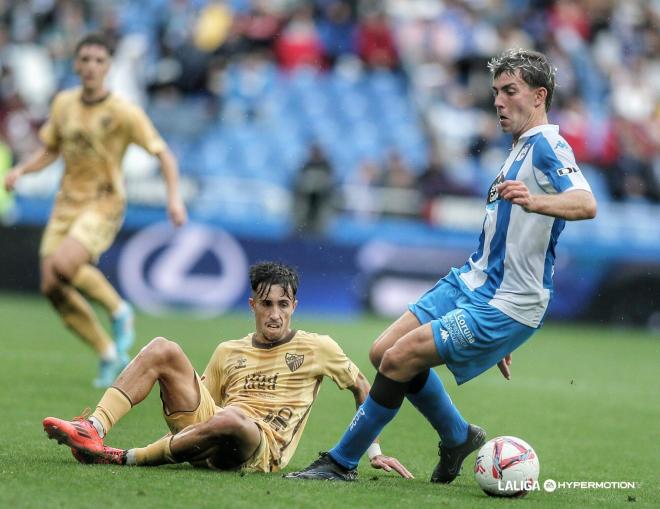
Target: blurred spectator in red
[
  {"x": 375, "y": 42},
  {"x": 569, "y": 17},
  {"x": 299, "y": 44},
  {"x": 259, "y": 26}
]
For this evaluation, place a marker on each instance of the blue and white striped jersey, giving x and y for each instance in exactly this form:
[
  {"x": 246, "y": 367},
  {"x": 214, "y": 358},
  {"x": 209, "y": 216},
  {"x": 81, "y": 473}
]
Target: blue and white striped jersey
[{"x": 513, "y": 267}]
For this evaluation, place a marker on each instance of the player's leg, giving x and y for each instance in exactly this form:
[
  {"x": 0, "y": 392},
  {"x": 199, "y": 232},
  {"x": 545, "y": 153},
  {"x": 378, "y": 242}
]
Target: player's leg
[
  {"x": 417, "y": 351},
  {"x": 57, "y": 272},
  {"x": 160, "y": 361},
  {"x": 226, "y": 441},
  {"x": 413, "y": 353},
  {"x": 426, "y": 390},
  {"x": 93, "y": 283},
  {"x": 406, "y": 323}
]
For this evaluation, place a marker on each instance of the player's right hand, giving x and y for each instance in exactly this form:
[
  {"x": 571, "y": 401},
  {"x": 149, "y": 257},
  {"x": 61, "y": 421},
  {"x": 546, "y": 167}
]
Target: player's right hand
[
  {"x": 11, "y": 178},
  {"x": 176, "y": 209},
  {"x": 504, "y": 367}
]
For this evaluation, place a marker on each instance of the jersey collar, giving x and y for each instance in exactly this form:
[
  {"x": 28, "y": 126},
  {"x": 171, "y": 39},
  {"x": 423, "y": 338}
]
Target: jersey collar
[
  {"x": 539, "y": 129},
  {"x": 269, "y": 346}
]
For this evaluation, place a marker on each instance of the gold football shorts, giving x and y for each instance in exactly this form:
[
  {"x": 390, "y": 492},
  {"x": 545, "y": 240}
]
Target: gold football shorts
[
  {"x": 259, "y": 461},
  {"x": 94, "y": 225}
]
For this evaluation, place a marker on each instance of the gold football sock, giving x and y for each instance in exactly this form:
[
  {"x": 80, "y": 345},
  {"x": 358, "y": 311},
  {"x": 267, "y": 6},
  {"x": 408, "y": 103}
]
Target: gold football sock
[
  {"x": 113, "y": 406},
  {"x": 79, "y": 316},
  {"x": 91, "y": 281},
  {"x": 158, "y": 453}
]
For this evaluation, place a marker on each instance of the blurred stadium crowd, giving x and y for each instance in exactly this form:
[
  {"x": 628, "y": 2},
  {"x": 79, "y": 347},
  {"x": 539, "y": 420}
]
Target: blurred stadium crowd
[{"x": 371, "y": 107}]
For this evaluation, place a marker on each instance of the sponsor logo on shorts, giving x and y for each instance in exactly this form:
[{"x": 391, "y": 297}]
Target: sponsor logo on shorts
[
  {"x": 444, "y": 334},
  {"x": 279, "y": 421},
  {"x": 458, "y": 329}
]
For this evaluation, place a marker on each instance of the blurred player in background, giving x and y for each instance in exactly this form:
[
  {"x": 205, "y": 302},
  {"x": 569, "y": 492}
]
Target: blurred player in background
[
  {"x": 249, "y": 408},
  {"x": 91, "y": 128},
  {"x": 477, "y": 315}
]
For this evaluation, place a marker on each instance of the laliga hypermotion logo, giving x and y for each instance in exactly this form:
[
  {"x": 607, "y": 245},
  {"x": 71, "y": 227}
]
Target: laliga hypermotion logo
[{"x": 158, "y": 268}]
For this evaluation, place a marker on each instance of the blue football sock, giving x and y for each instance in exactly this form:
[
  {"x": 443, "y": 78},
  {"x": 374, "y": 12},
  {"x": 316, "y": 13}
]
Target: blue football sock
[
  {"x": 436, "y": 405},
  {"x": 367, "y": 424}
]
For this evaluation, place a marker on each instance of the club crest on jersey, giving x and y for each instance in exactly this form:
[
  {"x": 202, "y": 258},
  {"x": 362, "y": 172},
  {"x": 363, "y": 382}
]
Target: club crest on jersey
[
  {"x": 567, "y": 171},
  {"x": 493, "y": 196},
  {"x": 294, "y": 361},
  {"x": 106, "y": 121},
  {"x": 523, "y": 152}
]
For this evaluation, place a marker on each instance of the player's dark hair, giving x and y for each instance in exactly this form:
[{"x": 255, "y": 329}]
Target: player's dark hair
[
  {"x": 535, "y": 69},
  {"x": 95, "y": 39},
  {"x": 263, "y": 275}
]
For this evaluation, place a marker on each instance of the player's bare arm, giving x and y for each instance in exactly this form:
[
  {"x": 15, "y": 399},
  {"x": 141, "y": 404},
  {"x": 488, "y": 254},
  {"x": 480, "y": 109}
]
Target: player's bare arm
[
  {"x": 176, "y": 209},
  {"x": 360, "y": 391},
  {"x": 571, "y": 205},
  {"x": 37, "y": 162}
]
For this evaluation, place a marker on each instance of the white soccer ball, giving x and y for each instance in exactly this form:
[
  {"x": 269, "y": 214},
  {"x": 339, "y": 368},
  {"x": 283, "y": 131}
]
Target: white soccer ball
[{"x": 507, "y": 467}]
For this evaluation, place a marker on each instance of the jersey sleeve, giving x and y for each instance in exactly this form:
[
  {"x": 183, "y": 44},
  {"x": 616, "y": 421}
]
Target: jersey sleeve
[
  {"x": 49, "y": 133},
  {"x": 555, "y": 168},
  {"x": 335, "y": 364},
  {"x": 214, "y": 374},
  {"x": 142, "y": 132}
]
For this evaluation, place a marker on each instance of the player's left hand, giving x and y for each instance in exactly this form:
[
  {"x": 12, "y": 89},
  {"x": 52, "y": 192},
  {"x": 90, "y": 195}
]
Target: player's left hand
[
  {"x": 177, "y": 212},
  {"x": 517, "y": 193},
  {"x": 388, "y": 463},
  {"x": 504, "y": 367}
]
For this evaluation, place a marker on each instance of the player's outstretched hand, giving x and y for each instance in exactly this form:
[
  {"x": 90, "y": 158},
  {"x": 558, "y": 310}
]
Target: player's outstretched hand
[
  {"x": 11, "y": 178},
  {"x": 388, "y": 463},
  {"x": 517, "y": 193},
  {"x": 504, "y": 367},
  {"x": 177, "y": 212}
]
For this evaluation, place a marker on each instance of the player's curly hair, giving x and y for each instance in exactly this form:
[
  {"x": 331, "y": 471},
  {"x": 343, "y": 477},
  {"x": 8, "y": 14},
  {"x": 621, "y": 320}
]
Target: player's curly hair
[
  {"x": 263, "y": 275},
  {"x": 95, "y": 39},
  {"x": 535, "y": 69}
]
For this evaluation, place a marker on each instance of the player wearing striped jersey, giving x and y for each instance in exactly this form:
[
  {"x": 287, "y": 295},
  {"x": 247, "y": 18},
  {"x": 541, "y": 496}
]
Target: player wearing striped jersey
[
  {"x": 249, "y": 408},
  {"x": 91, "y": 128},
  {"x": 473, "y": 318}
]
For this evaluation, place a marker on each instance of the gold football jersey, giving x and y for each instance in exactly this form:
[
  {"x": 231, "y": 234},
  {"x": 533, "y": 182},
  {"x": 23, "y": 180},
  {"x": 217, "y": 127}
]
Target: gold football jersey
[
  {"x": 276, "y": 385},
  {"x": 92, "y": 138}
]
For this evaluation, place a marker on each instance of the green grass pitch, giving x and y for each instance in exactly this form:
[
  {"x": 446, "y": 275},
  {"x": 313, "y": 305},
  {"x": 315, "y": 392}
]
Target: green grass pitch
[{"x": 586, "y": 398}]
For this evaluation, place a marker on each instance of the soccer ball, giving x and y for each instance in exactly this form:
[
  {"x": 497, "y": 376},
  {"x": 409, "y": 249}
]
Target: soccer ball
[{"x": 507, "y": 467}]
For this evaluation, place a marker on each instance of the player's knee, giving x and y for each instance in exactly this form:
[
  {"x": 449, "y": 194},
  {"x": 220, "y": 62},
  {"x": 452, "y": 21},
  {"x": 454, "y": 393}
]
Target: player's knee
[
  {"x": 375, "y": 355},
  {"x": 227, "y": 422},
  {"x": 63, "y": 270},
  {"x": 52, "y": 289},
  {"x": 162, "y": 350},
  {"x": 391, "y": 361},
  {"x": 50, "y": 283}
]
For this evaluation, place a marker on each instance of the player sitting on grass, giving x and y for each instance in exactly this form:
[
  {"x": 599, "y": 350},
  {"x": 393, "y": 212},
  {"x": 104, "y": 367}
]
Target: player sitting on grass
[
  {"x": 477, "y": 315},
  {"x": 249, "y": 408}
]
